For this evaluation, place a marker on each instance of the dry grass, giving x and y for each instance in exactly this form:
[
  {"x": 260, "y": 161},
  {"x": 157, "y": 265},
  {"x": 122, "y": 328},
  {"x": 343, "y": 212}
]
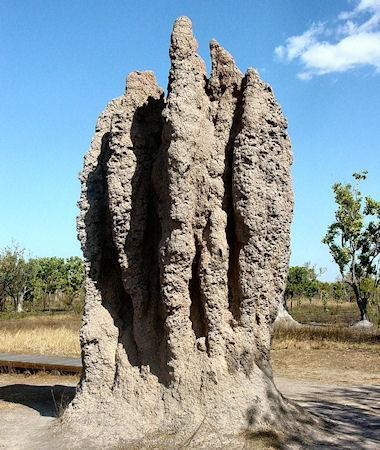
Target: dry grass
[
  {"x": 45, "y": 341},
  {"x": 34, "y": 321},
  {"x": 305, "y": 311},
  {"x": 337, "y": 366},
  {"x": 48, "y": 335},
  {"x": 329, "y": 336},
  {"x": 334, "y": 313},
  {"x": 40, "y": 377},
  {"x": 332, "y": 353}
]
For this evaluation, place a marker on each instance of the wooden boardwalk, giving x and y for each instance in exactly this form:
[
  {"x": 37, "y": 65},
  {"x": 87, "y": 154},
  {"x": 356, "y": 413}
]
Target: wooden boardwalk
[{"x": 40, "y": 362}]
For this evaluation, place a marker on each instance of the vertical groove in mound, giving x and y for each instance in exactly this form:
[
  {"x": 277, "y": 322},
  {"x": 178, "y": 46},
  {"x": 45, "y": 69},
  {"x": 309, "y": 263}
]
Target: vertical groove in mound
[
  {"x": 109, "y": 280},
  {"x": 197, "y": 310},
  {"x": 135, "y": 141},
  {"x": 224, "y": 89}
]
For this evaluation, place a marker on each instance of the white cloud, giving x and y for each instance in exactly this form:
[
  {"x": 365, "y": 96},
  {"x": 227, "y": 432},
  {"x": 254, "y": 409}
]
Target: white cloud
[
  {"x": 371, "y": 7},
  {"x": 353, "y": 50},
  {"x": 353, "y": 41},
  {"x": 304, "y": 75},
  {"x": 296, "y": 45}
]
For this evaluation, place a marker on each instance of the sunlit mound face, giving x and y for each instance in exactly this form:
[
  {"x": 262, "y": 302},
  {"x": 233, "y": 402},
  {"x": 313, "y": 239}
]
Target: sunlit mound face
[{"x": 185, "y": 212}]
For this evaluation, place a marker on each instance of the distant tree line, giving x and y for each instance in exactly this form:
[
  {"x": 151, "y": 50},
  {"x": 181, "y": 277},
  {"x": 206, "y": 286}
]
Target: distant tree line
[
  {"x": 53, "y": 283},
  {"x": 303, "y": 283},
  {"x": 40, "y": 284}
]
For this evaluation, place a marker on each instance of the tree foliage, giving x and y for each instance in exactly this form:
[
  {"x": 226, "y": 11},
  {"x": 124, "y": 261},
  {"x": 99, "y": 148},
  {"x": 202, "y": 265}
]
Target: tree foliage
[
  {"x": 301, "y": 282},
  {"x": 354, "y": 240},
  {"x": 39, "y": 281},
  {"x": 15, "y": 276}
]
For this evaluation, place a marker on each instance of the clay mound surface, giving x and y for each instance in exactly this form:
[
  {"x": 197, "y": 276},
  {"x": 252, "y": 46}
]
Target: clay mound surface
[{"x": 186, "y": 207}]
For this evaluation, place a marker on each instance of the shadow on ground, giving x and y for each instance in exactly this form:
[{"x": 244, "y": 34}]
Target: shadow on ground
[
  {"x": 353, "y": 413},
  {"x": 48, "y": 400}
]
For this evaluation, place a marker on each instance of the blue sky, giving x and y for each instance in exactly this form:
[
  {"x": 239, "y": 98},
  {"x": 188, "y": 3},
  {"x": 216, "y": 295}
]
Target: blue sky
[{"x": 61, "y": 61}]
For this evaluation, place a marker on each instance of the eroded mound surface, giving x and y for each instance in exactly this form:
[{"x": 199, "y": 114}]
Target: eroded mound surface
[{"x": 185, "y": 212}]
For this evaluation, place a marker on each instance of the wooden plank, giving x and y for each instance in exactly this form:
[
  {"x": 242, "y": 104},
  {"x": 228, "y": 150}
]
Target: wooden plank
[{"x": 40, "y": 362}]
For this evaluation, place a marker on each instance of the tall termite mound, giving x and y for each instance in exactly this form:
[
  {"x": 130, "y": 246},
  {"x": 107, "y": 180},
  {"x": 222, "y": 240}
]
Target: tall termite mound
[{"x": 186, "y": 206}]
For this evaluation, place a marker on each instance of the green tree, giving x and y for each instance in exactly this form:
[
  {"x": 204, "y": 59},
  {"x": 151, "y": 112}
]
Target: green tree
[
  {"x": 38, "y": 281},
  {"x": 74, "y": 279},
  {"x": 57, "y": 279},
  {"x": 49, "y": 279},
  {"x": 15, "y": 274},
  {"x": 301, "y": 281},
  {"x": 338, "y": 291},
  {"x": 354, "y": 240}
]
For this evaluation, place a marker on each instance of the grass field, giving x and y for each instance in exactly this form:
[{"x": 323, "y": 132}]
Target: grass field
[
  {"x": 332, "y": 351},
  {"x": 49, "y": 334},
  {"x": 339, "y": 313}
]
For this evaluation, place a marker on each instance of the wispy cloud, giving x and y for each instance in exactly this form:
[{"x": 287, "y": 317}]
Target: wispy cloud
[{"x": 352, "y": 40}]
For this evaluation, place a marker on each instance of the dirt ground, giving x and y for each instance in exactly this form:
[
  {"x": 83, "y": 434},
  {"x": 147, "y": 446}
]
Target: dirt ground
[
  {"x": 28, "y": 405},
  {"x": 353, "y": 409},
  {"x": 328, "y": 365}
]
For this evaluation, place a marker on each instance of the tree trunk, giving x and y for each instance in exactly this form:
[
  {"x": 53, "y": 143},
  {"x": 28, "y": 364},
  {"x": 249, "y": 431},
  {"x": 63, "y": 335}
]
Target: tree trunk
[
  {"x": 362, "y": 304},
  {"x": 20, "y": 303},
  {"x": 186, "y": 246}
]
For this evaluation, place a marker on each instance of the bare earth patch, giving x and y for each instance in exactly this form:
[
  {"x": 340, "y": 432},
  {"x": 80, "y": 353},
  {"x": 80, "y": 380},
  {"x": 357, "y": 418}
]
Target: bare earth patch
[
  {"x": 27, "y": 409},
  {"x": 353, "y": 409},
  {"x": 28, "y": 405},
  {"x": 328, "y": 365}
]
